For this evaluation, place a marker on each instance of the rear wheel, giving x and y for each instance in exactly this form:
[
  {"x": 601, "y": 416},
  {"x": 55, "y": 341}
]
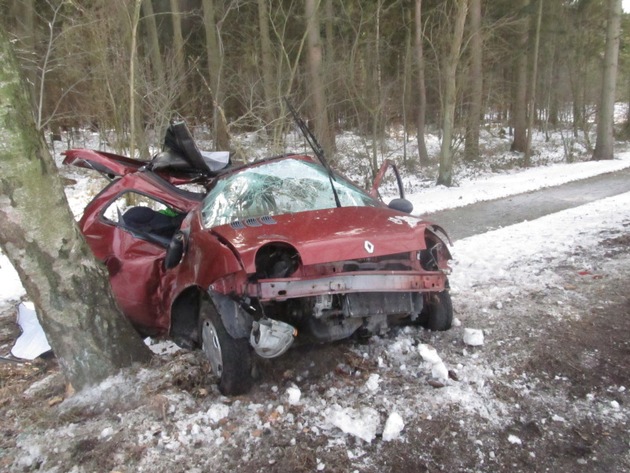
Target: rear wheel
[
  {"x": 437, "y": 313},
  {"x": 230, "y": 358}
]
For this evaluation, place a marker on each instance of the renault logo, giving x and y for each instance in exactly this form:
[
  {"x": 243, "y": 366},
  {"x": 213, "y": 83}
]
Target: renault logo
[{"x": 369, "y": 247}]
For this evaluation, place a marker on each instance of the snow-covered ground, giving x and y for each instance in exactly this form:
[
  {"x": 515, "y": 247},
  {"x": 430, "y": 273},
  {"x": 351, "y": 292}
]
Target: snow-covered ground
[{"x": 376, "y": 397}]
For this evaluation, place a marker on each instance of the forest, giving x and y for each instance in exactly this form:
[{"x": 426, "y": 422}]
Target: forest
[{"x": 125, "y": 68}]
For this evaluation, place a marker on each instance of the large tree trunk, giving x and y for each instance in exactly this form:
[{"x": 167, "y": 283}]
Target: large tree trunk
[
  {"x": 90, "y": 337},
  {"x": 605, "y": 113},
  {"x": 423, "y": 155},
  {"x": 473, "y": 125},
  {"x": 314, "y": 53},
  {"x": 445, "y": 175},
  {"x": 215, "y": 72},
  {"x": 519, "y": 108}
]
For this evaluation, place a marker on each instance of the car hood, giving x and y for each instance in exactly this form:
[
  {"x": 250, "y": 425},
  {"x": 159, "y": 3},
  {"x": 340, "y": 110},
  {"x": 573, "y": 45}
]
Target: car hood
[{"x": 328, "y": 235}]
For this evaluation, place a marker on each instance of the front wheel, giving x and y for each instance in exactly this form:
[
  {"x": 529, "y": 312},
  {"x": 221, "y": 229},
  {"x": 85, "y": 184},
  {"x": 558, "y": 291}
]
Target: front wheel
[
  {"x": 437, "y": 313},
  {"x": 230, "y": 358}
]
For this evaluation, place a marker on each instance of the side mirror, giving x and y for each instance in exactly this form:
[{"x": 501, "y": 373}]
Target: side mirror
[
  {"x": 175, "y": 251},
  {"x": 402, "y": 205},
  {"x": 379, "y": 178}
]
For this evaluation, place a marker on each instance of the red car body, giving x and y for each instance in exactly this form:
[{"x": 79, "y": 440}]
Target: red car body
[{"x": 263, "y": 274}]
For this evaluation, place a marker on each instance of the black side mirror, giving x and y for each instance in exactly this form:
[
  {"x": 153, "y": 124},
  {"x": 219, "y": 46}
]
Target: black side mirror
[
  {"x": 402, "y": 205},
  {"x": 175, "y": 251}
]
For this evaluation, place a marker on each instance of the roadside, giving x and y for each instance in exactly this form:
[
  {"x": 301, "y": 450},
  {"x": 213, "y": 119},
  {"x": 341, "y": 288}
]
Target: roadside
[
  {"x": 480, "y": 217},
  {"x": 546, "y": 392}
]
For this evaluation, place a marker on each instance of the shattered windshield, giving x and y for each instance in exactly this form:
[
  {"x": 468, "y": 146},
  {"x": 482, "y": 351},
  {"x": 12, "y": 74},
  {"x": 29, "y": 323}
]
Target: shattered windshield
[{"x": 275, "y": 188}]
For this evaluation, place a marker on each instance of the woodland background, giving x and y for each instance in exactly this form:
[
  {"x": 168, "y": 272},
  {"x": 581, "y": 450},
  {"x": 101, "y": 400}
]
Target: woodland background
[{"x": 125, "y": 68}]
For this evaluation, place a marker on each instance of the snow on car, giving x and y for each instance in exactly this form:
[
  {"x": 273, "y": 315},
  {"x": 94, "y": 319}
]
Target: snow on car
[{"x": 273, "y": 252}]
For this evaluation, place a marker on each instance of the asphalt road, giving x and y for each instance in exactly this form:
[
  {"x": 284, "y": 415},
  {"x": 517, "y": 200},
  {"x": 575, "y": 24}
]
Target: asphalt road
[{"x": 481, "y": 217}]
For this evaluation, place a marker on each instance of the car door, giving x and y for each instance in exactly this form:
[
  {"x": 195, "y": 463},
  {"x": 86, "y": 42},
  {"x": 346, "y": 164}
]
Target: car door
[{"x": 129, "y": 226}]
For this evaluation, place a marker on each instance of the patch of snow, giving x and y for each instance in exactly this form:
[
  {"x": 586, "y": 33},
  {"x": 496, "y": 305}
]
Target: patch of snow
[
  {"x": 394, "y": 425},
  {"x": 513, "y": 439},
  {"x": 293, "y": 395},
  {"x": 362, "y": 422},
  {"x": 473, "y": 337}
]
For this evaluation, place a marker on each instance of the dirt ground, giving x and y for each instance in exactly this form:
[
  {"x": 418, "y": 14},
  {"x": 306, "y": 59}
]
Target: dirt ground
[{"x": 553, "y": 397}]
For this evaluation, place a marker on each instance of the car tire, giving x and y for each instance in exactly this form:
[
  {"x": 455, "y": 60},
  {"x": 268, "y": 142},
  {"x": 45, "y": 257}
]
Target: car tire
[
  {"x": 230, "y": 358},
  {"x": 437, "y": 313}
]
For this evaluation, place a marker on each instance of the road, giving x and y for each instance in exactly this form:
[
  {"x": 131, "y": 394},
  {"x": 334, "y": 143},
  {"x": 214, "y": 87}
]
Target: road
[{"x": 481, "y": 217}]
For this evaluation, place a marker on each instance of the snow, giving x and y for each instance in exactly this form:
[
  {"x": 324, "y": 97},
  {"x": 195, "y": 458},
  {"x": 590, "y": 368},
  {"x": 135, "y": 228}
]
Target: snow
[
  {"x": 393, "y": 427},
  {"x": 473, "y": 337},
  {"x": 471, "y": 190},
  {"x": 501, "y": 262},
  {"x": 362, "y": 422}
]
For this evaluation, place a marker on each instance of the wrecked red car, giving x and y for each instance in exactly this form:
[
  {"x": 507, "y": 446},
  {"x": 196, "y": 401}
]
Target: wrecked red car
[{"x": 279, "y": 250}]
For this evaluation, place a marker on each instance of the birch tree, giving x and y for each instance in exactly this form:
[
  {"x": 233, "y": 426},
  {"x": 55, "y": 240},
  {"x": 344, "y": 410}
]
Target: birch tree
[{"x": 90, "y": 337}]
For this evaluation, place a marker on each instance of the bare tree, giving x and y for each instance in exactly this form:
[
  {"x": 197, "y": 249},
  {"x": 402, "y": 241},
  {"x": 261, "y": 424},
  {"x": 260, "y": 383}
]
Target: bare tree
[
  {"x": 314, "y": 53},
  {"x": 605, "y": 114},
  {"x": 473, "y": 124},
  {"x": 423, "y": 155},
  {"x": 445, "y": 175},
  {"x": 534, "y": 78},
  {"x": 90, "y": 337},
  {"x": 519, "y": 108},
  {"x": 214, "y": 51},
  {"x": 267, "y": 61}
]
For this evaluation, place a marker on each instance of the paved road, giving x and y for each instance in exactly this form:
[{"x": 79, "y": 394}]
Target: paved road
[{"x": 485, "y": 216}]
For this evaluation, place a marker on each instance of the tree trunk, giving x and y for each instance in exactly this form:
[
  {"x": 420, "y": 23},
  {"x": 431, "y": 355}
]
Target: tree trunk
[
  {"x": 178, "y": 38},
  {"x": 267, "y": 63},
  {"x": 153, "y": 41},
  {"x": 314, "y": 53},
  {"x": 445, "y": 175},
  {"x": 519, "y": 109},
  {"x": 215, "y": 73},
  {"x": 423, "y": 155},
  {"x": 90, "y": 337},
  {"x": 473, "y": 125},
  {"x": 604, "y": 147},
  {"x": 532, "y": 99}
]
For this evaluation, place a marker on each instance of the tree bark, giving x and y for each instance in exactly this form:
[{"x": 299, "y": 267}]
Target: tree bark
[
  {"x": 604, "y": 147},
  {"x": 153, "y": 41},
  {"x": 267, "y": 62},
  {"x": 445, "y": 175},
  {"x": 178, "y": 38},
  {"x": 519, "y": 107},
  {"x": 532, "y": 99},
  {"x": 215, "y": 73},
  {"x": 473, "y": 125},
  {"x": 314, "y": 54},
  {"x": 423, "y": 155},
  {"x": 90, "y": 337}
]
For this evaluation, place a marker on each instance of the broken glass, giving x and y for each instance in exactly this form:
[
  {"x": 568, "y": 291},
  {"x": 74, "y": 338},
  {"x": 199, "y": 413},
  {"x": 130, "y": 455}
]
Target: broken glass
[{"x": 276, "y": 188}]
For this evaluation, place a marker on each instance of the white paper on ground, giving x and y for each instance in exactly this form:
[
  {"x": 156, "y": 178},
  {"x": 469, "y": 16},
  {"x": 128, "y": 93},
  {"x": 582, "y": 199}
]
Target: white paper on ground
[{"x": 33, "y": 342}]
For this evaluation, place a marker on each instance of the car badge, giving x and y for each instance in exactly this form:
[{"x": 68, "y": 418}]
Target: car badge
[{"x": 369, "y": 247}]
